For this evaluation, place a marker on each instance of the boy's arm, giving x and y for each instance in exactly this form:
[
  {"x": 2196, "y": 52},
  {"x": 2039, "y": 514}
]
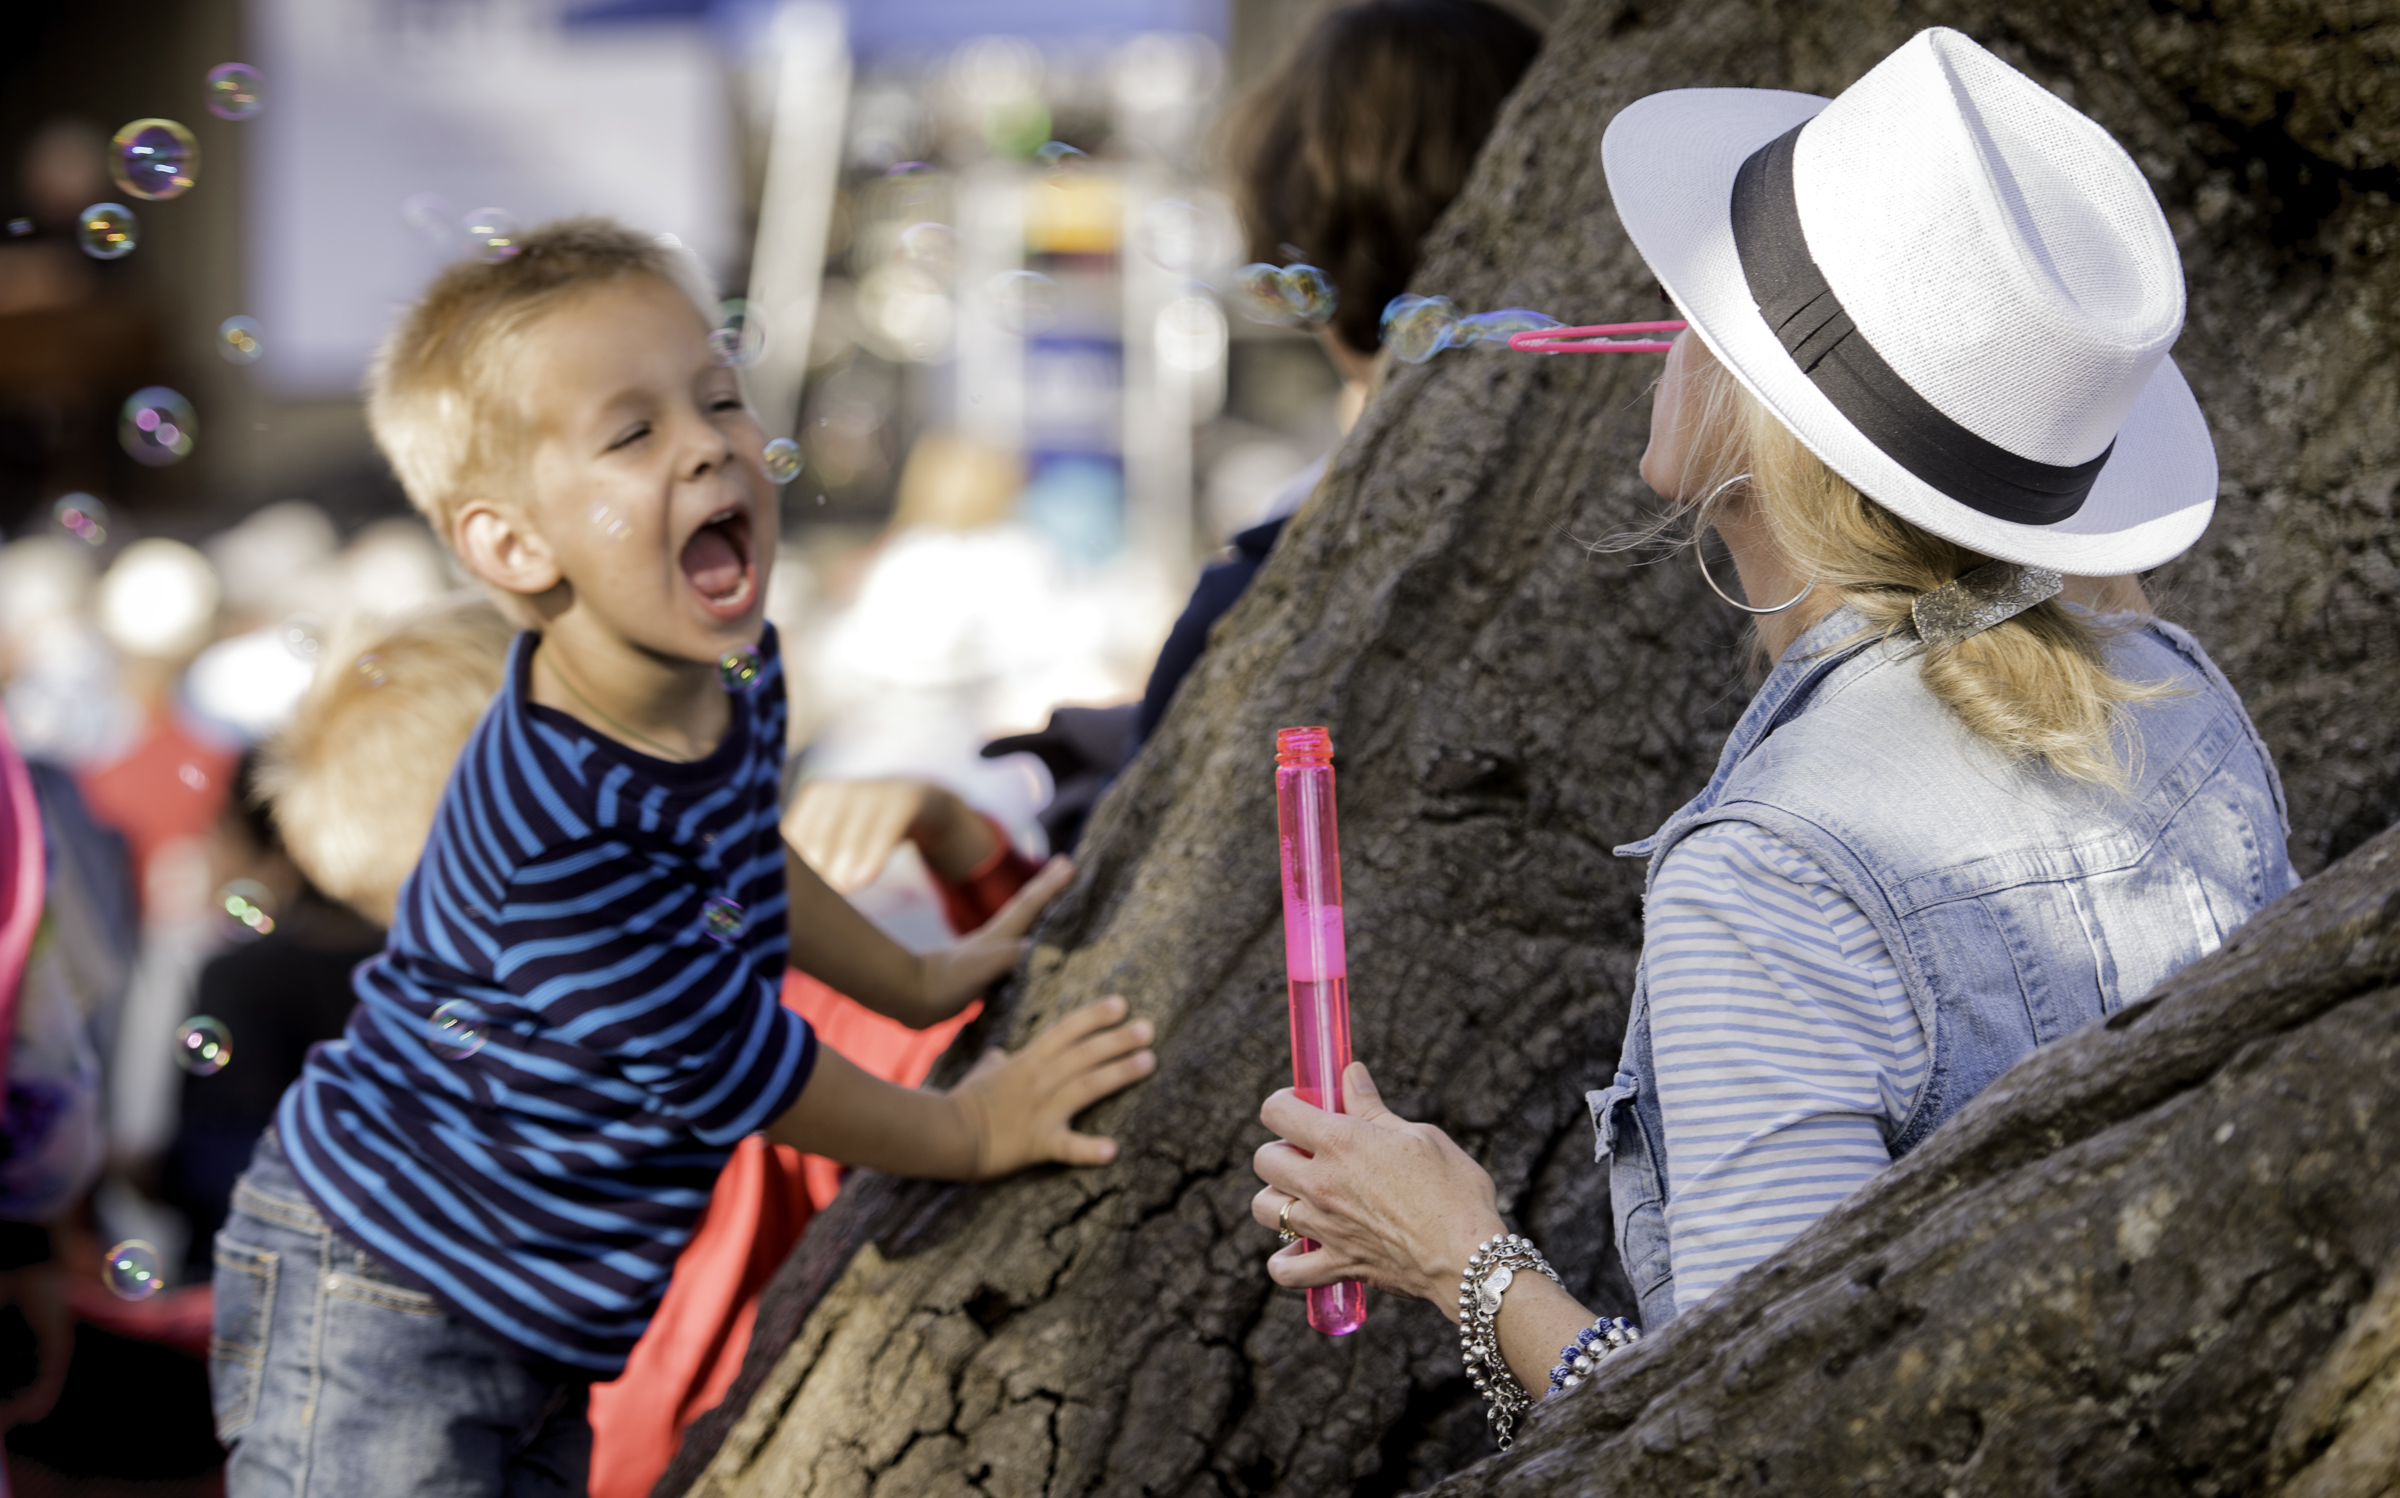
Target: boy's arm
[{"x": 1011, "y": 1111}]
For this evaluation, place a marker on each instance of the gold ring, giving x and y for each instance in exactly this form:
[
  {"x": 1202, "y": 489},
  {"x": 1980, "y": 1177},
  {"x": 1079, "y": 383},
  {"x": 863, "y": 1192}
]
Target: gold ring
[{"x": 1283, "y": 1220}]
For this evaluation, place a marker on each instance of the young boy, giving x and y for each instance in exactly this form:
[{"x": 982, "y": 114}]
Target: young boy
[{"x": 470, "y": 1205}]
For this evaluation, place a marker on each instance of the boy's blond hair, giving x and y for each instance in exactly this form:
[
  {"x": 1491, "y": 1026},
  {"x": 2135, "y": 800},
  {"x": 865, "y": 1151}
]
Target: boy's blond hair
[
  {"x": 439, "y": 398},
  {"x": 356, "y": 775}
]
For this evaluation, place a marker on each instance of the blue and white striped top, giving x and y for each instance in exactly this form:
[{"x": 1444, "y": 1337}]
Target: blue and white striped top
[
  {"x": 571, "y": 897},
  {"x": 1787, "y": 1052}
]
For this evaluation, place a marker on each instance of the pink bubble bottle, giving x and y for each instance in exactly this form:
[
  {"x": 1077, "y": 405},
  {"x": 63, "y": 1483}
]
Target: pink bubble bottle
[{"x": 1319, "y": 973}]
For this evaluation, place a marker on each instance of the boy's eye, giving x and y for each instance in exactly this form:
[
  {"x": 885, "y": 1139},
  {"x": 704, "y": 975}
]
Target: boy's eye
[{"x": 630, "y": 435}]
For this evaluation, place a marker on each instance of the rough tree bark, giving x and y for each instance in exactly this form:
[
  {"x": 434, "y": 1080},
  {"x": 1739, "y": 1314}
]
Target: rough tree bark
[{"x": 1508, "y": 705}]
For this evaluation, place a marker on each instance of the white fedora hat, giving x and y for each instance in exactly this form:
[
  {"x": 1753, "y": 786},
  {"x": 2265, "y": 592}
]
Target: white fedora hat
[{"x": 1955, "y": 289}]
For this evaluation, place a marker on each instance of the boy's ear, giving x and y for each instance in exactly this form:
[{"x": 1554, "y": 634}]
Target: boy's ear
[{"x": 500, "y": 547}]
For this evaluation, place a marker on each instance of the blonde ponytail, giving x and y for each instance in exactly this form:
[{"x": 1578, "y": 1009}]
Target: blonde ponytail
[{"x": 2037, "y": 687}]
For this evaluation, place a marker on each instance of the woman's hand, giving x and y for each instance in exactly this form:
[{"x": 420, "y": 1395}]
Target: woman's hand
[
  {"x": 1019, "y": 1106},
  {"x": 1393, "y": 1203}
]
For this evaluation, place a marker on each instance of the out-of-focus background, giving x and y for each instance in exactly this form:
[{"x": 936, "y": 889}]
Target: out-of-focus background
[{"x": 981, "y": 258}]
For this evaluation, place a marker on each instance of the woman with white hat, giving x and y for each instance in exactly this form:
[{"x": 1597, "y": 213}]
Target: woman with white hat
[{"x": 1983, "y": 798}]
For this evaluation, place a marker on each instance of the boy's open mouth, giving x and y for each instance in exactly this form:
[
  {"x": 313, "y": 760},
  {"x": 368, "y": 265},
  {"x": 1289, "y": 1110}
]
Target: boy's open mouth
[{"x": 717, "y": 560}]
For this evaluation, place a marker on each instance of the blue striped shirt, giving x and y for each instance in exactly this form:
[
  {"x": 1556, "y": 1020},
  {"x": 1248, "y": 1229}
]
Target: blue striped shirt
[
  {"x": 1786, "y": 1049},
  {"x": 542, "y": 1185}
]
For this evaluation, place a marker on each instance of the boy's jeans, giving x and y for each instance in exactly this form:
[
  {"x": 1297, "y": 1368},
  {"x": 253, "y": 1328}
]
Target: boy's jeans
[{"x": 333, "y": 1380}]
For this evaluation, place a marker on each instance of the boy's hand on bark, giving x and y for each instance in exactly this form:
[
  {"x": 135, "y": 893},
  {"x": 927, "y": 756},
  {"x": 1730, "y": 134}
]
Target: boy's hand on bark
[{"x": 1020, "y": 1105}]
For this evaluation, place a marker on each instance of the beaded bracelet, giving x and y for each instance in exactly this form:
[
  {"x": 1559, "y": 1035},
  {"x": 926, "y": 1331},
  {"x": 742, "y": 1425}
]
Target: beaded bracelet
[
  {"x": 1578, "y": 1358},
  {"x": 1490, "y": 1270}
]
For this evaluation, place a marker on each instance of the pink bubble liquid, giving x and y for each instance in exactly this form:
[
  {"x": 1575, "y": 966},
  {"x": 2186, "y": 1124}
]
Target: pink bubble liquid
[{"x": 1318, "y": 970}]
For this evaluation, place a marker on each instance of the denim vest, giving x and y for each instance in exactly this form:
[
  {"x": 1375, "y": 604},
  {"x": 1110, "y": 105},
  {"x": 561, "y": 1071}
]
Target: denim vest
[{"x": 2018, "y": 905}]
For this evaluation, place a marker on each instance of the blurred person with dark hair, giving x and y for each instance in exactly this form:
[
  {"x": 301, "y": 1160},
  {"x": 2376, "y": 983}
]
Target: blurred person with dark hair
[{"x": 1343, "y": 158}]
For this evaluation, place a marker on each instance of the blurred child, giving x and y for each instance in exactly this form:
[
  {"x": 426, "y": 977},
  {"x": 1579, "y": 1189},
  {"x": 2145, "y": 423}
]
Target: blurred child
[
  {"x": 574, "y": 1020},
  {"x": 354, "y": 778}
]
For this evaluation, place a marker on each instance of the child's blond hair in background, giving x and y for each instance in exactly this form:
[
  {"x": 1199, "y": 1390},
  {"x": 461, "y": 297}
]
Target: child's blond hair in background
[{"x": 356, "y": 776}]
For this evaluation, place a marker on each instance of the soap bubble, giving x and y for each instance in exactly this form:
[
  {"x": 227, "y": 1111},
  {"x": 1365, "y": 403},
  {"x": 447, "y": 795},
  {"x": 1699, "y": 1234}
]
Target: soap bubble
[
  {"x": 20, "y": 227},
  {"x": 907, "y": 169},
  {"x": 1174, "y": 234},
  {"x": 1021, "y": 301},
  {"x": 234, "y": 92},
  {"x": 1415, "y": 328},
  {"x": 132, "y": 1269},
  {"x": 203, "y": 1045},
  {"x": 740, "y": 338},
  {"x": 154, "y": 159},
  {"x": 156, "y": 426},
  {"x": 371, "y": 670},
  {"x": 1308, "y": 292},
  {"x": 491, "y": 234},
  {"x": 611, "y": 525},
  {"x": 738, "y": 669},
  {"x": 722, "y": 917},
  {"x": 1498, "y": 327},
  {"x": 237, "y": 340},
  {"x": 249, "y": 908},
  {"x": 1260, "y": 293},
  {"x": 456, "y": 1030},
  {"x": 1058, "y": 160},
  {"x": 82, "y": 516},
  {"x": 108, "y": 231},
  {"x": 782, "y": 460},
  {"x": 304, "y": 636},
  {"x": 432, "y": 216},
  {"x": 931, "y": 250}
]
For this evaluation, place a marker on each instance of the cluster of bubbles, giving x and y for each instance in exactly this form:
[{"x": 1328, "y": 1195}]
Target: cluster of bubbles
[
  {"x": 249, "y": 908},
  {"x": 781, "y": 458},
  {"x": 722, "y": 917},
  {"x": 156, "y": 426},
  {"x": 234, "y": 91},
  {"x": 1415, "y": 328},
  {"x": 738, "y": 668},
  {"x": 238, "y": 340},
  {"x": 1286, "y": 295},
  {"x": 154, "y": 159},
  {"x": 371, "y": 670},
  {"x": 203, "y": 1046},
  {"x": 107, "y": 231},
  {"x": 740, "y": 337},
  {"x": 83, "y": 516},
  {"x": 456, "y": 1030},
  {"x": 133, "y": 1271}
]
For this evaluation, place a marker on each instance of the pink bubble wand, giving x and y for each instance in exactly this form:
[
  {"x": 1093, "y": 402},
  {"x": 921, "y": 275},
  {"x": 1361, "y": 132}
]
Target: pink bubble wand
[
  {"x": 1598, "y": 338},
  {"x": 1317, "y": 967}
]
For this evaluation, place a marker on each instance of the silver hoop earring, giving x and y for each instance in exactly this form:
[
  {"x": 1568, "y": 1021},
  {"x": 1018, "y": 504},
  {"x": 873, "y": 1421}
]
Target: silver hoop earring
[{"x": 1700, "y": 555}]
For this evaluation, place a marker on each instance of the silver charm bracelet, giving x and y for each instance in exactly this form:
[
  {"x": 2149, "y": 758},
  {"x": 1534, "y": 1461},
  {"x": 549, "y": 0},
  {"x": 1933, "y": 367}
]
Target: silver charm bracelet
[{"x": 1490, "y": 1271}]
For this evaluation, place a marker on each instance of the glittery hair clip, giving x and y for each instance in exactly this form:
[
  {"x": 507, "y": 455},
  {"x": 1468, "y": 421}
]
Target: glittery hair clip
[{"x": 1993, "y": 593}]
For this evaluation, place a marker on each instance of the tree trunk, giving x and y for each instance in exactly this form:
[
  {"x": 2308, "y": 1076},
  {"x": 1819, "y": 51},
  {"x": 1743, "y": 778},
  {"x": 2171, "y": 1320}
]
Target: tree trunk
[{"x": 1507, "y": 706}]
